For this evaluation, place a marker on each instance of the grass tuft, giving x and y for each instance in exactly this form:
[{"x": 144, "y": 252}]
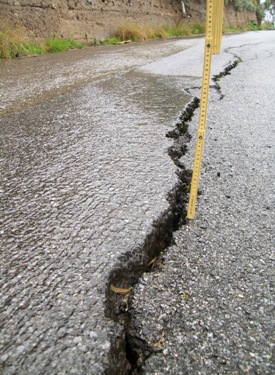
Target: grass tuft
[
  {"x": 112, "y": 40},
  {"x": 179, "y": 30},
  {"x": 12, "y": 38},
  {"x": 232, "y": 29},
  {"x": 135, "y": 32},
  {"x": 59, "y": 45},
  {"x": 251, "y": 26},
  {"x": 198, "y": 28},
  {"x": 29, "y": 49}
]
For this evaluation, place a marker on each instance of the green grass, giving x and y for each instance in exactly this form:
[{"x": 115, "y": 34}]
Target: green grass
[
  {"x": 179, "y": 30},
  {"x": 251, "y": 26},
  {"x": 267, "y": 25},
  {"x": 60, "y": 45},
  {"x": 232, "y": 29},
  {"x": 111, "y": 41},
  {"x": 14, "y": 39},
  {"x": 198, "y": 28},
  {"x": 31, "y": 49}
]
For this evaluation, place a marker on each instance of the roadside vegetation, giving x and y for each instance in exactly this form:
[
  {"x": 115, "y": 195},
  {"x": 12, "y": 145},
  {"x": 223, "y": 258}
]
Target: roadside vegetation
[
  {"x": 251, "y": 26},
  {"x": 11, "y": 37},
  {"x": 140, "y": 32},
  {"x": 14, "y": 41}
]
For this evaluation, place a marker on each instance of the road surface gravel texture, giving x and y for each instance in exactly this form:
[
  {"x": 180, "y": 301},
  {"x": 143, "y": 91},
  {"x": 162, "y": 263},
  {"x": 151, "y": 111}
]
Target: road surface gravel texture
[
  {"x": 86, "y": 179},
  {"x": 210, "y": 308}
]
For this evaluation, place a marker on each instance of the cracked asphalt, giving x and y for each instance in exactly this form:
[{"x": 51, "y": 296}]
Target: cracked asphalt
[
  {"x": 209, "y": 309},
  {"x": 84, "y": 174}
]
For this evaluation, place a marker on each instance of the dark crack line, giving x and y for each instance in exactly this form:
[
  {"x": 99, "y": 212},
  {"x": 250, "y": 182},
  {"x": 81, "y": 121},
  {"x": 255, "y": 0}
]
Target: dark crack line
[
  {"x": 216, "y": 78},
  {"x": 128, "y": 350}
]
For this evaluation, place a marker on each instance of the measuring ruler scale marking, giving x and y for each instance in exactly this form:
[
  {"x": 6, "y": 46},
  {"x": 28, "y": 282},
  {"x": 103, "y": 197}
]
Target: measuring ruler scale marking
[
  {"x": 196, "y": 173},
  {"x": 203, "y": 111}
]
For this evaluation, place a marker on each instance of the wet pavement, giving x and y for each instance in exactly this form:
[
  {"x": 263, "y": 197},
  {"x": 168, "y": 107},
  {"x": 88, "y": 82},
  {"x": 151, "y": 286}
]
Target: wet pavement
[
  {"x": 85, "y": 174},
  {"x": 27, "y": 82}
]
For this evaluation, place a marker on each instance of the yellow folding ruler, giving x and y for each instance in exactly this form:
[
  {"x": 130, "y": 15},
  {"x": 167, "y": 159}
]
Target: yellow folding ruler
[{"x": 213, "y": 37}]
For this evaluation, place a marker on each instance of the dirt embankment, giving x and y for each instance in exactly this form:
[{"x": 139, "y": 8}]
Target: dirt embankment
[{"x": 86, "y": 19}]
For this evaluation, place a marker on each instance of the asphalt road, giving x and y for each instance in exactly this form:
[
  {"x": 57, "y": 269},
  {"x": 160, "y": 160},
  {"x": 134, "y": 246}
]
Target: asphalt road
[
  {"x": 85, "y": 176},
  {"x": 209, "y": 308},
  {"x": 84, "y": 173}
]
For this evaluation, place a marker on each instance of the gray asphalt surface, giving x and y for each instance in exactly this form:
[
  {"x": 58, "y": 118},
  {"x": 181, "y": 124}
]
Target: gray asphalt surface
[
  {"x": 84, "y": 176},
  {"x": 209, "y": 309}
]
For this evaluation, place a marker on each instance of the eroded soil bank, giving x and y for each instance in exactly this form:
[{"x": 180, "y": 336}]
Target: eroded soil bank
[{"x": 86, "y": 20}]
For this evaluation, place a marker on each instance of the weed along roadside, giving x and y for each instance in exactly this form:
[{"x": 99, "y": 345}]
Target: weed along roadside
[
  {"x": 15, "y": 42},
  {"x": 35, "y": 27}
]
